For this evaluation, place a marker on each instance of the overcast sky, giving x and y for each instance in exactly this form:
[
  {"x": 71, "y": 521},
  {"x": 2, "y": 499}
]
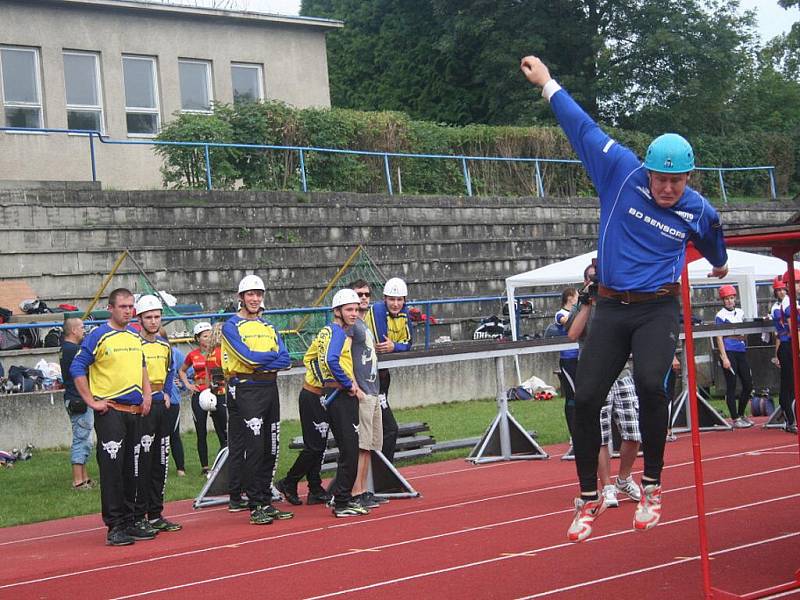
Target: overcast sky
[{"x": 772, "y": 19}]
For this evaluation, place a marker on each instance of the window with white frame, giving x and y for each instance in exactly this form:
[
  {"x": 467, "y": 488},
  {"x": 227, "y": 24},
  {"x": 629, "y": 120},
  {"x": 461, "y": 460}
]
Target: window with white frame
[
  {"x": 248, "y": 82},
  {"x": 196, "y": 94},
  {"x": 142, "y": 112},
  {"x": 22, "y": 86},
  {"x": 82, "y": 87}
]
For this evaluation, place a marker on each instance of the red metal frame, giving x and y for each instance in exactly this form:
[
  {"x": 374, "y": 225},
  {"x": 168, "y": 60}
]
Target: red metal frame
[{"x": 783, "y": 242}]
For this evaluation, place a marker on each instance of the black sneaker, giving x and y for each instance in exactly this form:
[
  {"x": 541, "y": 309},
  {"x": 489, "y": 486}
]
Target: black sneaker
[
  {"x": 289, "y": 492},
  {"x": 259, "y": 516},
  {"x": 118, "y": 537},
  {"x": 351, "y": 509},
  {"x": 321, "y": 497},
  {"x": 161, "y": 524},
  {"x": 238, "y": 505},
  {"x": 141, "y": 530},
  {"x": 277, "y": 514}
]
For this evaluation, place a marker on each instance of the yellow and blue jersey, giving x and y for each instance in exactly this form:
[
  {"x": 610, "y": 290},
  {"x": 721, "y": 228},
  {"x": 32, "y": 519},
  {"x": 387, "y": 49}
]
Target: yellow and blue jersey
[
  {"x": 158, "y": 358},
  {"x": 252, "y": 346},
  {"x": 329, "y": 358},
  {"x": 112, "y": 360},
  {"x": 383, "y": 324}
]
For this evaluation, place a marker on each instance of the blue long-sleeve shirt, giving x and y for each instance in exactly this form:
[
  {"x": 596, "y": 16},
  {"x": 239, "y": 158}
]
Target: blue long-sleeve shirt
[
  {"x": 641, "y": 246},
  {"x": 252, "y": 346},
  {"x": 383, "y": 325}
]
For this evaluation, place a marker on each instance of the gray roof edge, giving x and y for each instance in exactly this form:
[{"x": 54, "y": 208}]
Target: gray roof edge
[{"x": 177, "y": 9}]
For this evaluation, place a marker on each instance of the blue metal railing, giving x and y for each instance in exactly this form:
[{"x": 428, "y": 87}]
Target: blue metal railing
[{"x": 386, "y": 156}]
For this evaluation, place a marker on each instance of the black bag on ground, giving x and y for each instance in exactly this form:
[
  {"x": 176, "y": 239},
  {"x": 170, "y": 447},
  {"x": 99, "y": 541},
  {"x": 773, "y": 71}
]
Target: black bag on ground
[
  {"x": 24, "y": 379},
  {"x": 29, "y": 338},
  {"x": 9, "y": 339},
  {"x": 54, "y": 338}
]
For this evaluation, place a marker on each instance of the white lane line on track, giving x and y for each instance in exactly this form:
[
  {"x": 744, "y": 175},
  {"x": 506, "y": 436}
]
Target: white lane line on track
[
  {"x": 434, "y": 537},
  {"x": 549, "y": 488},
  {"x": 90, "y": 529},
  {"x": 412, "y": 513},
  {"x": 660, "y": 566},
  {"x": 558, "y": 547}
]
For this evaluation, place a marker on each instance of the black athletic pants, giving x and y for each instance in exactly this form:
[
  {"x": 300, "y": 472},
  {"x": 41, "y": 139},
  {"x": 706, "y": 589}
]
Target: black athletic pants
[
  {"x": 739, "y": 368},
  {"x": 390, "y": 428},
  {"x": 152, "y": 456},
  {"x": 648, "y": 330},
  {"x": 220, "y": 419},
  {"x": 117, "y": 436},
  {"x": 787, "y": 381},
  {"x": 343, "y": 419},
  {"x": 254, "y": 433},
  {"x": 314, "y": 423},
  {"x": 567, "y": 374},
  {"x": 175, "y": 442}
]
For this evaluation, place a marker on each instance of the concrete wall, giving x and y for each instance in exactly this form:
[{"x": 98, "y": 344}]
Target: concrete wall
[
  {"x": 291, "y": 51},
  {"x": 39, "y": 418}
]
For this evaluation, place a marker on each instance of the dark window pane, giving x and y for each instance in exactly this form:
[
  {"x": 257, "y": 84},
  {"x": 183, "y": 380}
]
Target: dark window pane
[
  {"x": 23, "y": 117},
  {"x": 83, "y": 119},
  {"x": 245, "y": 84},
  {"x": 142, "y": 123}
]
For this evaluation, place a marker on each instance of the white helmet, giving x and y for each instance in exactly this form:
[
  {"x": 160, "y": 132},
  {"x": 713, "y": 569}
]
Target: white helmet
[
  {"x": 201, "y": 327},
  {"x": 345, "y": 296},
  {"x": 251, "y": 282},
  {"x": 147, "y": 303},
  {"x": 208, "y": 400},
  {"x": 395, "y": 287}
]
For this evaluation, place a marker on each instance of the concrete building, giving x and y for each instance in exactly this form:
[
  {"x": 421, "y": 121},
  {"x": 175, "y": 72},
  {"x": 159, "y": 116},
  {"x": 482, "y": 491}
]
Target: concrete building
[{"x": 126, "y": 68}]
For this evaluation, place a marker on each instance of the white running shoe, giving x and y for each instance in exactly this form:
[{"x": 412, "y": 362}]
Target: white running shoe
[
  {"x": 610, "y": 496},
  {"x": 629, "y": 488},
  {"x": 586, "y": 511},
  {"x": 742, "y": 423},
  {"x": 648, "y": 512}
]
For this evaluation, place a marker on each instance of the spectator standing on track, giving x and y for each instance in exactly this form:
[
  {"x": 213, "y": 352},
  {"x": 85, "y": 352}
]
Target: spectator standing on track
[
  {"x": 252, "y": 354},
  {"x": 781, "y": 317},
  {"x": 81, "y": 416},
  {"x": 174, "y": 412},
  {"x": 365, "y": 369},
  {"x": 647, "y": 216},
  {"x": 733, "y": 359},
  {"x": 205, "y": 359},
  {"x": 391, "y": 327},
  {"x": 153, "y": 448},
  {"x": 111, "y": 377},
  {"x": 567, "y": 359}
]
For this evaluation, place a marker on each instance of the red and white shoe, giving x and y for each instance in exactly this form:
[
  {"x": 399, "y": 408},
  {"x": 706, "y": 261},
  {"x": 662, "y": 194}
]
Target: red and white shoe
[
  {"x": 648, "y": 512},
  {"x": 586, "y": 511}
]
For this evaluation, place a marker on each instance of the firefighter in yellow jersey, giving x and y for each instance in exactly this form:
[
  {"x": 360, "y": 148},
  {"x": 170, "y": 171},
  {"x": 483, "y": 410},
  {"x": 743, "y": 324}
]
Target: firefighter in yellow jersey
[
  {"x": 329, "y": 364},
  {"x": 152, "y": 452},
  {"x": 391, "y": 327},
  {"x": 252, "y": 354},
  {"x": 111, "y": 377}
]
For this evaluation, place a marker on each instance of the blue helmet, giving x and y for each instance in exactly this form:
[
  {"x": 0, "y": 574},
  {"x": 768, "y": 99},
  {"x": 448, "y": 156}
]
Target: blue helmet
[{"x": 669, "y": 153}]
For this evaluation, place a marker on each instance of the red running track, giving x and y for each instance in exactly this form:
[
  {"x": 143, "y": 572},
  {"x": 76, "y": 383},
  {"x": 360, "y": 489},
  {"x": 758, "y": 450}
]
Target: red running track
[{"x": 491, "y": 531}]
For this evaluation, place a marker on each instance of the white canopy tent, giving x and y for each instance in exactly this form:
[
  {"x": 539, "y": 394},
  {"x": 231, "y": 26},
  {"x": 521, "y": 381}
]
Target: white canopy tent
[{"x": 744, "y": 270}]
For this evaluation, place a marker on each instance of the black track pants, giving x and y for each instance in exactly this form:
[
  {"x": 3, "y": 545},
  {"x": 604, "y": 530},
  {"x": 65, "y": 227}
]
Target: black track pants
[
  {"x": 117, "y": 436},
  {"x": 314, "y": 423},
  {"x": 343, "y": 419},
  {"x": 390, "y": 427},
  {"x": 739, "y": 369}
]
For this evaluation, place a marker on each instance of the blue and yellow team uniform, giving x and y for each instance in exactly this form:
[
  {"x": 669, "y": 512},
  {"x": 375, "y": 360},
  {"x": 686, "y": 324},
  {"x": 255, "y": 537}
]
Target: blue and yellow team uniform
[
  {"x": 112, "y": 360},
  {"x": 396, "y": 328},
  {"x": 252, "y": 353},
  {"x": 328, "y": 360},
  {"x": 251, "y": 346},
  {"x": 153, "y": 449},
  {"x": 158, "y": 358}
]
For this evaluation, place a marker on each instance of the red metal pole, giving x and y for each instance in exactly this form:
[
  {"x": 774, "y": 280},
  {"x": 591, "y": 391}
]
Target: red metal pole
[{"x": 695, "y": 418}]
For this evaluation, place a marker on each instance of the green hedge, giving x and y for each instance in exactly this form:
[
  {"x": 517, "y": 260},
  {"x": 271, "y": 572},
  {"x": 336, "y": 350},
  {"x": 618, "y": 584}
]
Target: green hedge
[{"x": 274, "y": 123}]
